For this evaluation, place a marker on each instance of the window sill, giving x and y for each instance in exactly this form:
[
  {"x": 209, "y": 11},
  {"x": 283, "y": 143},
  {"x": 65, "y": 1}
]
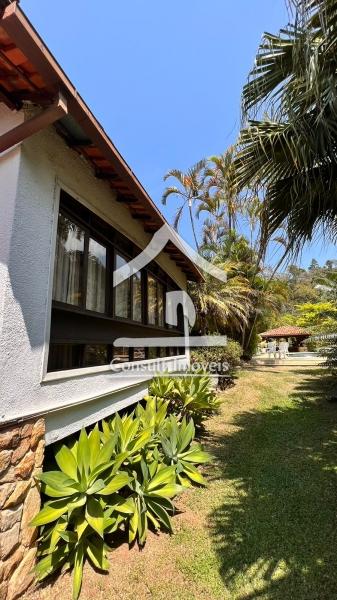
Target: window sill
[{"x": 113, "y": 369}]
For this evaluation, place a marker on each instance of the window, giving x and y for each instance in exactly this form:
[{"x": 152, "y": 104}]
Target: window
[
  {"x": 137, "y": 297},
  {"x": 121, "y": 355},
  {"x": 156, "y": 302},
  {"x": 152, "y": 300},
  {"x": 72, "y": 247},
  {"x": 95, "y": 354},
  {"x": 88, "y": 313},
  {"x": 68, "y": 271},
  {"x": 139, "y": 354},
  {"x": 76, "y": 356},
  {"x": 160, "y": 296},
  {"x": 96, "y": 277},
  {"x": 64, "y": 356},
  {"x": 152, "y": 353},
  {"x": 122, "y": 292}
]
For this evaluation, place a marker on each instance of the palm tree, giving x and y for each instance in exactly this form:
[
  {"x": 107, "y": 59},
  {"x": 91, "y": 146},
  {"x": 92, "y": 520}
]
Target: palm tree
[
  {"x": 291, "y": 151},
  {"x": 252, "y": 210},
  {"x": 191, "y": 191},
  {"x": 222, "y": 307},
  {"x": 213, "y": 235},
  {"x": 222, "y": 188}
]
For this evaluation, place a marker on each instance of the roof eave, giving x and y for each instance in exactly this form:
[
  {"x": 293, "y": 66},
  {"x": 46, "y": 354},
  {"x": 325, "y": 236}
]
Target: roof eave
[{"x": 18, "y": 27}]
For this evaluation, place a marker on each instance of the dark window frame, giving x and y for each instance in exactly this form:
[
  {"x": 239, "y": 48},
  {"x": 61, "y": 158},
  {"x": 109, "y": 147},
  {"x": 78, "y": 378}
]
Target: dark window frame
[{"x": 115, "y": 242}]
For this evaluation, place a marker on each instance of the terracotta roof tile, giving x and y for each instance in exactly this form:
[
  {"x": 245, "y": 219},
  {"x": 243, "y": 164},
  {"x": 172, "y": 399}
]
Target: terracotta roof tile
[{"x": 286, "y": 331}]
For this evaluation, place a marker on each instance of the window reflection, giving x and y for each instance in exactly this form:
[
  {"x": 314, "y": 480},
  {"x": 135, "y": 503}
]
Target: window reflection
[
  {"x": 95, "y": 354},
  {"x": 68, "y": 269},
  {"x": 160, "y": 291},
  {"x": 96, "y": 277},
  {"x": 137, "y": 297},
  {"x": 139, "y": 354},
  {"x": 122, "y": 293},
  {"x": 121, "y": 355},
  {"x": 152, "y": 300}
]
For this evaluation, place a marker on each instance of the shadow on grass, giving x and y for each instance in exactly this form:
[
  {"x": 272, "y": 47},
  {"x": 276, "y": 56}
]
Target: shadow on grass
[{"x": 276, "y": 532}]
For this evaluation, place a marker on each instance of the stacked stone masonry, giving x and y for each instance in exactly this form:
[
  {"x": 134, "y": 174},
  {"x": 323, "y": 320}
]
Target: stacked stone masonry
[{"x": 21, "y": 458}]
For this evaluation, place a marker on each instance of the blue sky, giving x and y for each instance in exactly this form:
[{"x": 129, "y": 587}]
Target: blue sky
[{"x": 163, "y": 77}]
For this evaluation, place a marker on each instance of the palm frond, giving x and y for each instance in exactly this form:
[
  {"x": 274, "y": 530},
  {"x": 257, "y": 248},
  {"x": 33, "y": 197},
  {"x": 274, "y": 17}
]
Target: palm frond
[
  {"x": 177, "y": 216},
  {"x": 169, "y": 191}
]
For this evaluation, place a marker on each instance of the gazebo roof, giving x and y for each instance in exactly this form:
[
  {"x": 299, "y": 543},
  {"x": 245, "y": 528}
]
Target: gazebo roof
[{"x": 286, "y": 331}]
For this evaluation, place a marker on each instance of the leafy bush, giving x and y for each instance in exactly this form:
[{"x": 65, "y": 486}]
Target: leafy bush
[
  {"x": 152, "y": 488},
  {"x": 221, "y": 361},
  {"x": 123, "y": 475},
  {"x": 179, "y": 451},
  {"x": 330, "y": 353},
  {"x": 154, "y": 414},
  {"x": 74, "y": 521},
  {"x": 194, "y": 397},
  {"x": 189, "y": 395},
  {"x": 162, "y": 387}
]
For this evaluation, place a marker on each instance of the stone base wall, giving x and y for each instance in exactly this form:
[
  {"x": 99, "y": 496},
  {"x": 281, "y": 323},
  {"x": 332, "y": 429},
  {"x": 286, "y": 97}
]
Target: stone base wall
[{"x": 21, "y": 458}]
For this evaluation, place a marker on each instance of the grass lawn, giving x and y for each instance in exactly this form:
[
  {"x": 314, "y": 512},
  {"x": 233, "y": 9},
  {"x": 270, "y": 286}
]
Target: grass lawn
[{"x": 266, "y": 526}]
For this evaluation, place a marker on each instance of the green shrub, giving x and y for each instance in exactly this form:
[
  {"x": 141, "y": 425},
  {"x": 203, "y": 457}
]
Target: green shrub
[
  {"x": 154, "y": 414},
  {"x": 189, "y": 395},
  {"x": 330, "y": 354},
  {"x": 152, "y": 488},
  {"x": 162, "y": 387},
  {"x": 220, "y": 361},
  {"x": 179, "y": 450},
  {"x": 122, "y": 475},
  {"x": 230, "y": 355},
  {"x": 128, "y": 438},
  {"x": 73, "y": 521},
  {"x": 194, "y": 397}
]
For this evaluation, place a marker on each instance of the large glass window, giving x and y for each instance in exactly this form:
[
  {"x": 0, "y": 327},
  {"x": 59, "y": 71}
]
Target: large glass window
[
  {"x": 88, "y": 250},
  {"x": 137, "y": 297},
  {"x": 122, "y": 292},
  {"x": 68, "y": 271},
  {"x": 96, "y": 277}
]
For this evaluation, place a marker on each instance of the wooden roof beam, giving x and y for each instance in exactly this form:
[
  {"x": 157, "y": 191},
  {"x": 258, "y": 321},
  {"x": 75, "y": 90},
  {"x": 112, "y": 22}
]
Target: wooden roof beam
[
  {"x": 106, "y": 175},
  {"x": 44, "y": 119},
  {"x": 126, "y": 199},
  {"x": 140, "y": 216}
]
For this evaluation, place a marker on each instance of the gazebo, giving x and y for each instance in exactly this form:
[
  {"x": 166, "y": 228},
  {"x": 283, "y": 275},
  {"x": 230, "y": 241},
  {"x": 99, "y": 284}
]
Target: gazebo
[{"x": 294, "y": 335}]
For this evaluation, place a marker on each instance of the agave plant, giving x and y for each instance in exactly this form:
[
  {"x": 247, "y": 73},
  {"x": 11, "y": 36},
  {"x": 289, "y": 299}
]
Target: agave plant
[
  {"x": 162, "y": 387},
  {"x": 180, "y": 451},
  {"x": 74, "y": 519},
  {"x": 152, "y": 487},
  {"x": 73, "y": 548},
  {"x": 153, "y": 415},
  {"x": 194, "y": 396},
  {"x": 126, "y": 474},
  {"x": 129, "y": 437}
]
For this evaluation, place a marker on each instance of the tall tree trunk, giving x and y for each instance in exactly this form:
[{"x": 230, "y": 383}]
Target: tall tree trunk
[
  {"x": 230, "y": 224},
  {"x": 192, "y": 223}
]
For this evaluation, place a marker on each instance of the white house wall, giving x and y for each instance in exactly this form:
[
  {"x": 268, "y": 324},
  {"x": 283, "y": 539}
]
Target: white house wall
[{"x": 30, "y": 179}]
